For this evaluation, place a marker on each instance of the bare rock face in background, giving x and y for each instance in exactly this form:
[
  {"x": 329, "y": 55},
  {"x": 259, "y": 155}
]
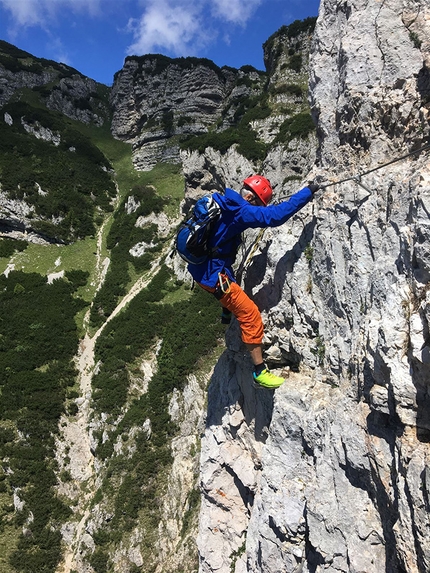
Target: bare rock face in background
[
  {"x": 330, "y": 472},
  {"x": 156, "y": 98}
]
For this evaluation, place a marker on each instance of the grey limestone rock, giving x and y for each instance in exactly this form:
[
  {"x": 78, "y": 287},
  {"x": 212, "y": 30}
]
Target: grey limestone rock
[
  {"x": 157, "y": 100},
  {"x": 330, "y": 472},
  {"x": 73, "y": 96},
  {"x": 11, "y": 81}
]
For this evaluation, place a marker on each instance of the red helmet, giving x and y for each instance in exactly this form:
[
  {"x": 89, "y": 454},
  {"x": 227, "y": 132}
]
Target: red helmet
[{"x": 261, "y": 187}]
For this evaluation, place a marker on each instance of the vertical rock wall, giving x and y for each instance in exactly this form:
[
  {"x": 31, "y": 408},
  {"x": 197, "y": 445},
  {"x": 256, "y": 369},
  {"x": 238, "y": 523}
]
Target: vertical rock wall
[
  {"x": 331, "y": 471},
  {"x": 157, "y": 101}
]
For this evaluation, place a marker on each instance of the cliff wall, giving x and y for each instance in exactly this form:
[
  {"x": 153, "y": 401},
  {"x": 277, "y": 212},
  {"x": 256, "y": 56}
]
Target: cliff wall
[
  {"x": 156, "y": 100},
  {"x": 330, "y": 472}
]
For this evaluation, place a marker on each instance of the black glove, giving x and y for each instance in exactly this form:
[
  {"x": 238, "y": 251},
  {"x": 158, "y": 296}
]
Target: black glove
[{"x": 313, "y": 187}]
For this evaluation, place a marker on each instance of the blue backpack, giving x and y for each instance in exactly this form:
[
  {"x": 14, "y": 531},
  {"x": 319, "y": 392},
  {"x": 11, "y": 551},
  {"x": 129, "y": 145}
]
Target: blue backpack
[{"x": 192, "y": 239}]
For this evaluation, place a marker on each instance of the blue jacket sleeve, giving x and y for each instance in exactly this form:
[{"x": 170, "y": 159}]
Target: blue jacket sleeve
[{"x": 253, "y": 217}]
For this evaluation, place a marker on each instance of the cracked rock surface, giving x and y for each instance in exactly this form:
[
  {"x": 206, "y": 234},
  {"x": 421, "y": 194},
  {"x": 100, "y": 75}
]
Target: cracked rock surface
[{"x": 331, "y": 471}]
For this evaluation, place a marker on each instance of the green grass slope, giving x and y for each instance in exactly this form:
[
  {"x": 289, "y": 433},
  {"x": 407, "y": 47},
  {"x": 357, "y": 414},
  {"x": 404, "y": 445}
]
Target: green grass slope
[{"x": 78, "y": 189}]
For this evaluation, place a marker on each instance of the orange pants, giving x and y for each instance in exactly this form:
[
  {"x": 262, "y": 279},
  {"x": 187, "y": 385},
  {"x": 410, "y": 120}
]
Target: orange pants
[{"x": 246, "y": 312}]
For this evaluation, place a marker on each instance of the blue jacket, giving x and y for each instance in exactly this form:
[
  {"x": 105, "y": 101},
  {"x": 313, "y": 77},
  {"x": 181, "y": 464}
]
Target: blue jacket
[{"x": 236, "y": 216}]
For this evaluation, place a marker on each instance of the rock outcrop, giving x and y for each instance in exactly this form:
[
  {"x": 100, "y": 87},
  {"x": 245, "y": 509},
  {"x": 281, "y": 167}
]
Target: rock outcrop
[
  {"x": 13, "y": 78},
  {"x": 330, "y": 472},
  {"x": 156, "y": 100},
  {"x": 78, "y": 97},
  {"x": 61, "y": 87}
]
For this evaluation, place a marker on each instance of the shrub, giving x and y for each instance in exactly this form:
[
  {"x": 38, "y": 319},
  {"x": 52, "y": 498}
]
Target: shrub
[
  {"x": 289, "y": 89},
  {"x": 299, "y": 26},
  {"x": 249, "y": 69},
  {"x": 122, "y": 236},
  {"x": 156, "y": 64},
  {"x": 99, "y": 561},
  {"x": 291, "y": 31},
  {"x": 184, "y": 120},
  {"x": 13, "y": 51},
  {"x": 248, "y": 110},
  {"x": 295, "y": 62},
  {"x": 77, "y": 277},
  {"x": 75, "y": 183},
  {"x": 256, "y": 113},
  {"x": 245, "y": 137},
  {"x": 83, "y": 104},
  {"x": 167, "y": 122},
  {"x": 187, "y": 329},
  {"x": 11, "y": 64},
  {"x": 300, "y": 125},
  {"x": 38, "y": 346},
  {"x": 9, "y": 246},
  {"x": 415, "y": 40}
]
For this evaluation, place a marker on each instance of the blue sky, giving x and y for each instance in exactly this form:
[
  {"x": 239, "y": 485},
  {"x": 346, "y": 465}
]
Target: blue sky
[{"x": 94, "y": 36}]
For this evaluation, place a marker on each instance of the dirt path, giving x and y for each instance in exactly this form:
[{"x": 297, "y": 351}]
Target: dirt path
[
  {"x": 76, "y": 435},
  {"x": 76, "y": 430}
]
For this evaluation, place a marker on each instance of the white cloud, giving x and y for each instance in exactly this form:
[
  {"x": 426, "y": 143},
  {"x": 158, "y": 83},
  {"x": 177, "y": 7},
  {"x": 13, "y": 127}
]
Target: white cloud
[
  {"x": 184, "y": 27},
  {"x": 170, "y": 24},
  {"x": 28, "y": 13},
  {"x": 60, "y": 53},
  {"x": 24, "y": 12},
  {"x": 180, "y": 27},
  {"x": 236, "y": 11}
]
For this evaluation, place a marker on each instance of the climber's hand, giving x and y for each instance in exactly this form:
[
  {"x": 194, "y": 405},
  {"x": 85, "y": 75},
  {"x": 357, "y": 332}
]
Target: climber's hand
[{"x": 313, "y": 187}]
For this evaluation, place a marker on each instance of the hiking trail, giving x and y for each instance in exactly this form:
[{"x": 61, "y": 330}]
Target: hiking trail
[{"x": 75, "y": 430}]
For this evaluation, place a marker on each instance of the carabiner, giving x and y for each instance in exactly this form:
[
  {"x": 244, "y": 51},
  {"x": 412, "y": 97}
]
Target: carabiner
[{"x": 224, "y": 283}]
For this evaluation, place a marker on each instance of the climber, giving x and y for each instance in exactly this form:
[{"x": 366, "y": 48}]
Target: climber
[{"x": 249, "y": 209}]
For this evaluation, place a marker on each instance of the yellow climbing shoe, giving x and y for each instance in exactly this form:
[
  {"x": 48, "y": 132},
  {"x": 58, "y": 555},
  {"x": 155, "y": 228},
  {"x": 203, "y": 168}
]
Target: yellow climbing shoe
[{"x": 268, "y": 380}]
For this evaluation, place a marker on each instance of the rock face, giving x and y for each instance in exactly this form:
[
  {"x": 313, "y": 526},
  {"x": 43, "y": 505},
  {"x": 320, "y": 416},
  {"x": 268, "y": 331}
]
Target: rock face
[
  {"x": 11, "y": 81},
  {"x": 157, "y": 99},
  {"x": 330, "y": 472},
  {"x": 77, "y": 97},
  {"x": 62, "y": 88}
]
